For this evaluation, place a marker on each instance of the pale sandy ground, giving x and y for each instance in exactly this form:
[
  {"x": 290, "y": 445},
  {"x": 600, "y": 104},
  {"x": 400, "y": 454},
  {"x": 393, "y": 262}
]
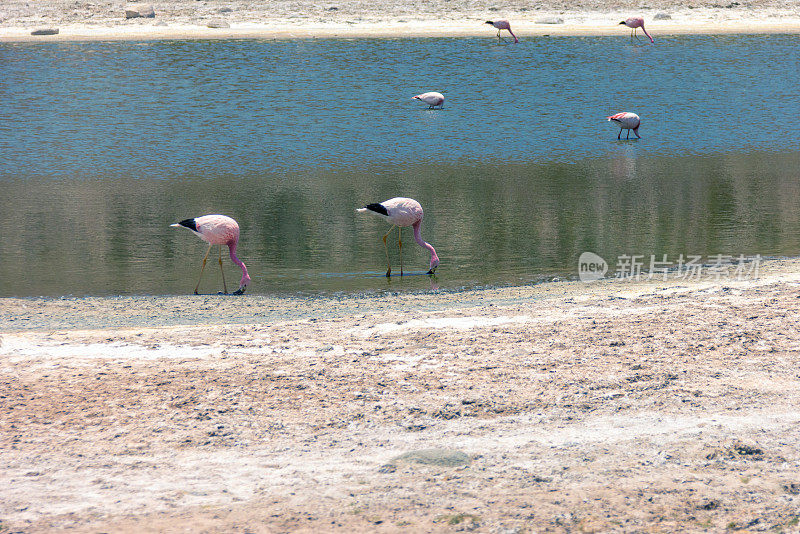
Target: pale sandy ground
[
  {"x": 97, "y": 19},
  {"x": 613, "y": 407}
]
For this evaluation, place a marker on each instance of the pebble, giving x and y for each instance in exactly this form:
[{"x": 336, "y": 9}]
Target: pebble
[
  {"x": 437, "y": 457},
  {"x": 139, "y": 10}
]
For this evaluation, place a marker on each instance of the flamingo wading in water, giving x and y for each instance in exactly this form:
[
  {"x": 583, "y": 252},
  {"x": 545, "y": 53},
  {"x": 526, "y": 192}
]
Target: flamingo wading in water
[
  {"x": 626, "y": 121},
  {"x": 218, "y": 230},
  {"x": 432, "y": 98},
  {"x": 502, "y": 24},
  {"x": 402, "y": 212},
  {"x": 636, "y": 22}
]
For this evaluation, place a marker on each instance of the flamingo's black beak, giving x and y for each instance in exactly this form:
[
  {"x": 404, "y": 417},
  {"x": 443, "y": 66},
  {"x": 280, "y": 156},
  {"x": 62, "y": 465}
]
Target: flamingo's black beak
[
  {"x": 623, "y": 22},
  {"x": 240, "y": 291},
  {"x": 432, "y": 271},
  {"x": 489, "y": 22}
]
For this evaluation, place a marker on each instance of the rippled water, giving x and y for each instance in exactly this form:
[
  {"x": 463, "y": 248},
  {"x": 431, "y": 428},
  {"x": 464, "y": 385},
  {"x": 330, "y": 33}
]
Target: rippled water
[{"x": 105, "y": 144}]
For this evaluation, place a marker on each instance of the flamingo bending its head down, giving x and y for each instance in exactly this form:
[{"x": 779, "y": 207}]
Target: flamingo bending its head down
[
  {"x": 432, "y": 98},
  {"x": 402, "y": 212},
  {"x": 218, "y": 230},
  {"x": 636, "y": 22},
  {"x": 502, "y": 24},
  {"x": 626, "y": 121}
]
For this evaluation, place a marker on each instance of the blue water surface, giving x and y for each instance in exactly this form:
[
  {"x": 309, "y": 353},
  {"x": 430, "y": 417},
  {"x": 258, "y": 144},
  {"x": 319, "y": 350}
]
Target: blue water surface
[{"x": 105, "y": 143}]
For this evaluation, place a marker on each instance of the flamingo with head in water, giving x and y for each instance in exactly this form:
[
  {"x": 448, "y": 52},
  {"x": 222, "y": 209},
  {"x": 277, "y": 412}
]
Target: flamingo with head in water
[
  {"x": 626, "y": 121},
  {"x": 431, "y": 98},
  {"x": 218, "y": 230},
  {"x": 636, "y": 22},
  {"x": 402, "y": 212},
  {"x": 502, "y": 24}
]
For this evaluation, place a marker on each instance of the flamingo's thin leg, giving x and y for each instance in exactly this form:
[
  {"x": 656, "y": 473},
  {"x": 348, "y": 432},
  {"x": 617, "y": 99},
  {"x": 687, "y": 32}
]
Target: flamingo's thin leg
[
  {"x": 386, "y": 248},
  {"x": 224, "y": 285},
  {"x": 619, "y": 135},
  {"x": 400, "y": 246},
  {"x": 628, "y": 135},
  {"x": 201, "y": 269}
]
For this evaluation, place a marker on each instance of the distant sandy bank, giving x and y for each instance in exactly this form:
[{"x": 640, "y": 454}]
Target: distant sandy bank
[{"x": 194, "y": 24}]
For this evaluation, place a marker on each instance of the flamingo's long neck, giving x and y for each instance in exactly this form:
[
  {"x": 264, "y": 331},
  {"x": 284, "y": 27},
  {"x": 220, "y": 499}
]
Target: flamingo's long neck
[
  {"x": 418, "y": 238},
  {"x": 512, "y": 35},
  {"x": 647, "y": 34},
  {"x": 245, "y": 277}
]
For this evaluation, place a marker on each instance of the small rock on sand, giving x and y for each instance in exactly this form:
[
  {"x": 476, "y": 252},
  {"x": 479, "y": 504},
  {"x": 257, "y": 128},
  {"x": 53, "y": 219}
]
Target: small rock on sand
[
  {"x": 139, "y": 10},
  {"x": 662, "y": 16},
  {"x": 550, "y": 20},
  {"x": 45, "y": 31},
  {"x": 437, "y": 457},
  {"x": 218, "y": 24}
]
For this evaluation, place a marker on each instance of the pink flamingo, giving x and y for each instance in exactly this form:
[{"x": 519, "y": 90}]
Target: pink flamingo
[
  {"x": 432, "y": 98},
  {"x": 402, "y": 212},
  {"x": 636, "y": 22},
  {"x": 502, "y": 24},
  {"x": 626, "y": 121},
  {"x": 218, "y": 230}
]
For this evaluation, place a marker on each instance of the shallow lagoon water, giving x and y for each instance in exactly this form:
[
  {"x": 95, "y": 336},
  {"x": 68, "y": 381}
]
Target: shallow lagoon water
[{"x": 105, "y": 144}]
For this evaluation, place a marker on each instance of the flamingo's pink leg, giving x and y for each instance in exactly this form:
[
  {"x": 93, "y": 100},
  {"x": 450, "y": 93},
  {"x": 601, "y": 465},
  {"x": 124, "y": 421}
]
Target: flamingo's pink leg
[
  {"x": 224, "y": 285},
  {"x": 202, "y": 269},
  {"x": 400, "y": 246},
  {"x": 386, "y": 248}
]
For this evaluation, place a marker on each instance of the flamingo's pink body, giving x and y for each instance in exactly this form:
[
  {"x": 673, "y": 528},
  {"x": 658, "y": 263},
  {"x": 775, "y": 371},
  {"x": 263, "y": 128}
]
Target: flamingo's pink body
[
  {"x": 626, "y": 121},
  {"x": 403, "y": 212},
  {"x": 636, "y": 22},
  {"x": 502, "y": 24},
  {"x": 218, "y": 230},
  {"x": 431, "y": 98}
]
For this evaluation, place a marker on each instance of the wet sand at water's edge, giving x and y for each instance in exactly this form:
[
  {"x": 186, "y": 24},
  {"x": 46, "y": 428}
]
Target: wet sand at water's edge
[{"x": 614, "y": 406}]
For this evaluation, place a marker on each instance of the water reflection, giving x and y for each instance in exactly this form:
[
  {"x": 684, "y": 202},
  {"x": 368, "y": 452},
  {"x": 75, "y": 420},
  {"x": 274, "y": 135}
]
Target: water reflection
[{"x": 490, "y": 225}]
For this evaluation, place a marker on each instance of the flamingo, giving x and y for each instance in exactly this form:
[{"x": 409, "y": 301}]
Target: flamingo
[
  {"x": 626, "y": 121},
  {"x": 402, "y": 212},
  {"x": 218, "y": 230},
  {"x": 432, "y": 98},
  {"x": 636, "y": 22},
  {"x": 502, "y": 24}
]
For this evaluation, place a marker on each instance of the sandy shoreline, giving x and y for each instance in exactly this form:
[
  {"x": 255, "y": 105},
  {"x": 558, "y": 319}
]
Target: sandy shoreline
[
  {"x": 240, "y": 19},
  {"x": 611, "y": 407}
]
